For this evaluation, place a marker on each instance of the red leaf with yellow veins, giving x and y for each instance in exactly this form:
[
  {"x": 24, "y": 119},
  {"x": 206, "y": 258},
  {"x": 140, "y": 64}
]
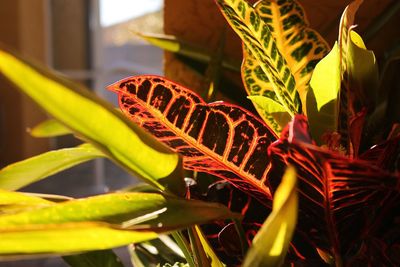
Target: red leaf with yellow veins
[{"x": 218, "y": 138}]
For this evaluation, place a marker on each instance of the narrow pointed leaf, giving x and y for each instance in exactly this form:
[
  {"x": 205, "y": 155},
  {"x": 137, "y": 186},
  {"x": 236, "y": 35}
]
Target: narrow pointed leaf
[
  {"x": 123, "y": 210},
  {"x": 322, "y": 98},
  {"x": 23, "y": 173},
  {"x": 104, "y": 221},
  {"x": 221, "y": 139},
  {"x": 173, "y": 44},
  {"x": 212, "y": 257},
  {"x": 14, "y": 202},
  {"x": 64, "y": 238},
  {"x": 96, "y": 121},
  {"x": 258, "y": 39},
  {"x": 49, "y": 128},
  {"x": 271, "y": 243}
]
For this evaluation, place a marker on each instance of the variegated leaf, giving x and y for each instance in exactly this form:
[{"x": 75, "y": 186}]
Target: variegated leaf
[
  {"x": 340, "y": 198},
  {"x": 221, "y": 139},
  {"x": 258, "y": 39},
  {"x": 301, "y": 46}
]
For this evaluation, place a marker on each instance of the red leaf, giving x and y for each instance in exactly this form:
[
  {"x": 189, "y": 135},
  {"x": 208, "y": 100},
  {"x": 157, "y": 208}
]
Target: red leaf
[
  {"x": 221, "y": 139},
  {"x": 340, "y": 198}
]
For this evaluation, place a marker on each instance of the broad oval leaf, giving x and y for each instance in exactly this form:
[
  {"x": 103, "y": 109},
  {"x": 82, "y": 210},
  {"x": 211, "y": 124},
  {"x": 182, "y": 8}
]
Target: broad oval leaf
[
  {"x": 272, "y": 241},
  {"x": 221, "y": 139},
  {"x": 23, "y": 173},
  {"x": 96, "y": 121}
]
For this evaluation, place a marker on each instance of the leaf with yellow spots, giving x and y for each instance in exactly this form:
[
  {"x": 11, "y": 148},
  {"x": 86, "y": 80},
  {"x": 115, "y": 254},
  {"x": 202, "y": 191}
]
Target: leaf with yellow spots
[{"x": 258, "y": 39}]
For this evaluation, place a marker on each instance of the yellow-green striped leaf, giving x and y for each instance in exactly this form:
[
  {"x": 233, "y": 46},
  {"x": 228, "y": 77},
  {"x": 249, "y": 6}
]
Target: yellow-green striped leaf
[{"x": 258, "y": 39}]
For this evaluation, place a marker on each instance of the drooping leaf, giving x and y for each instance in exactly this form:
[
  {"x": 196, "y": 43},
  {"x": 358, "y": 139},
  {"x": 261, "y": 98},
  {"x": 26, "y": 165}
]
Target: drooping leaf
[
  {"x": 258, "y": 39},
  {"x": 96, "y": 121},
  {"x": 221, "y": 139},
  {"x": 23, "y": 173},
  {"x": 322, "y": 97},
  {"x": 339, "y": 198},
  {"x": 271, "y": 243},
  {"x": 175, "y": 45},
  {"x": 105, "y": 221},
  {"x": 103, "y": 258},
  {"x": 49, "y": 128}
]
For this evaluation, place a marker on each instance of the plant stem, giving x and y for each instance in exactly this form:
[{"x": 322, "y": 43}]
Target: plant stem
[{"x": 184, "y": 246}]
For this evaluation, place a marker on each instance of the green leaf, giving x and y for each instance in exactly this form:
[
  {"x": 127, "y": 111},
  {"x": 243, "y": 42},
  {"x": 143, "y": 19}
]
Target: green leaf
[
  {"x": 272, "y": 112},
  {"x": 103, "y": 258},
  {"x": 96, "y": 121},
  {"x": 65, "y": 238},
  {"x": 101, "y": 222},
  {"x": 49, "y": 128},
  {"x": 23, "y": 173},
  {"x": 173, "y": 44},
  {"x": 212, "y": 257},
  {"x": 272, "y": 241},
  {"x": 322, "y": 98},
  {"x": 259, "y": 40},
  {"x": 13, "y": 202}
]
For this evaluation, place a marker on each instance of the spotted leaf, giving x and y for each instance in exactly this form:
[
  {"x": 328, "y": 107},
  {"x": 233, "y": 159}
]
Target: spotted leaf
[
  {"x": 258, "y": 39},
  {"x": 221, "y": 139}
]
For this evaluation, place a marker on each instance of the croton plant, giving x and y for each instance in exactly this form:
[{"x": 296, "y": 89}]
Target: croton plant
[{"x": 308, "y": 181}]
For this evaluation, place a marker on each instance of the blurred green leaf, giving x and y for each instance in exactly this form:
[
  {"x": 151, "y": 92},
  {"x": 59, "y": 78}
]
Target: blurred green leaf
[
  {"x": 271, "y": 243},
  {"x": 49, "y": 128},
  {"x": 96, "y": 121},
  {"x": 101, "y": 222},
  {"x": 173, "y": 44},
  {"x": 322, "y": 97},
  {"x": 100, "y": 258},
  {"x": 212, "y": 257},
  {"x": 23, "y": 173}
]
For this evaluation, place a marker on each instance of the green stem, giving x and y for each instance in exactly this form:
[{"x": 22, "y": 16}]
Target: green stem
[{"x": 184, "y": 246}]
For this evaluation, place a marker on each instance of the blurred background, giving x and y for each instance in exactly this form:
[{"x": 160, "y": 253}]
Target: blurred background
[{"x": 91, "y": 42}]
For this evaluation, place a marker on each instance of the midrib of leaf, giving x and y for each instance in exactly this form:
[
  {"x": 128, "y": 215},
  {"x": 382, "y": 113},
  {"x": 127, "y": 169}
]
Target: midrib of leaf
[
  {"x": 330, "y": 220},
  {"x": 206, "y": 151}
]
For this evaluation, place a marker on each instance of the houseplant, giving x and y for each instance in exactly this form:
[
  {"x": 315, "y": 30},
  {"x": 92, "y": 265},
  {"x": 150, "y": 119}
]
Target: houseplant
[{"x": 311, "y": 119}]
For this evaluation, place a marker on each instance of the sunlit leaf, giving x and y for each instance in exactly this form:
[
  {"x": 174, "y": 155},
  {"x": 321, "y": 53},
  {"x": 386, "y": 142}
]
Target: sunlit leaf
[
  {"x": 23, "y": 173},
  {"x": 212, "y": 257},
  {"x": 221, "y": 139},
  {"x": 14, "y": 202},
  {"x": 258, "y": 39},
  {"x": 95, "y": 120},
  {"x": 322, "y": 98},
  {"x": 103, "y": 258},
  {"x": 64, "y": 238},
  {"x": 49, "y": 128},
  {"x": 273, "y": 112},
  {"x": 271, "y": 243},
  {"x": 105, "y": 221},
  {"x": 301, "y": 46}
]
